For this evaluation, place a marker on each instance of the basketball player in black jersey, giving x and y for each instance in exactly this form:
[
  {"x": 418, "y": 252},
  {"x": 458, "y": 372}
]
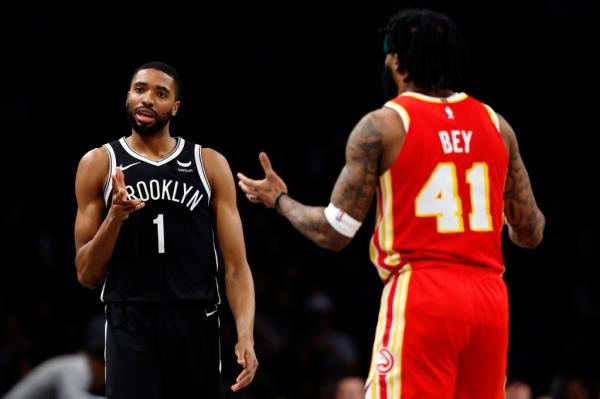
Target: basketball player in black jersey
[{"x": 147, "y": 205}]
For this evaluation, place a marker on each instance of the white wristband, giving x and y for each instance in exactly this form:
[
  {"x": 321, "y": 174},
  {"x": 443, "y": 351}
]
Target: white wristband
[{"x": 343, "y": 223}]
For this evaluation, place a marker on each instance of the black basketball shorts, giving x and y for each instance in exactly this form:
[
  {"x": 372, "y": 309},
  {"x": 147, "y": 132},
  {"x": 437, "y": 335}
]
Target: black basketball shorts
[{"x": 162, "y": 351}]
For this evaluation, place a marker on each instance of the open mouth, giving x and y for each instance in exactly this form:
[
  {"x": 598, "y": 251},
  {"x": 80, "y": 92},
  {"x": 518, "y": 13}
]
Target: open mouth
[{"x": 145, "y": 115}]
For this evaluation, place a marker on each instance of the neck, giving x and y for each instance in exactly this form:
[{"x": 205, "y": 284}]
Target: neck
[
  {"x": 435, "y": 92},
  {"x": 155, "y": 146}
]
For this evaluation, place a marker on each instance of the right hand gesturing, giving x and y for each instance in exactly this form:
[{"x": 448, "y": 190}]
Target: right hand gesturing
[
  {"x": 263, "y": 191},
  {"x": 122, "y": 206}
]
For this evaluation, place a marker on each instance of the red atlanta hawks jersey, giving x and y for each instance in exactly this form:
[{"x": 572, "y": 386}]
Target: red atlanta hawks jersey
[{"x": 441, "y": 201}]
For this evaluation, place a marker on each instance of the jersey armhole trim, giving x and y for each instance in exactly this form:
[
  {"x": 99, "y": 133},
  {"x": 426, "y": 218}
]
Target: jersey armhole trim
[
  {"x": 112, "y": 167},
  {"x": 201, "y": 169},
  {"x": 402, "y": 112},
  {"x": 493, "y": 116}
]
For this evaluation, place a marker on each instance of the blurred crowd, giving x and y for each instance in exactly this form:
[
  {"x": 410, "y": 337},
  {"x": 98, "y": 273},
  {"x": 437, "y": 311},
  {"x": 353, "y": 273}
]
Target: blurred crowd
[{"x": 304, "y": 354}]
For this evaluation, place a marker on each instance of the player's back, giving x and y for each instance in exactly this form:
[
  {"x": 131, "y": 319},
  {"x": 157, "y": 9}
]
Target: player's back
[{"x": 441, "y": 201}]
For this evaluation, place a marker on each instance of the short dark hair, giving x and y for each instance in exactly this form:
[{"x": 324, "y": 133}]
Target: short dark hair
[
  {"x": 429, "y": 46},
  {"x": 166, "y": 68}
]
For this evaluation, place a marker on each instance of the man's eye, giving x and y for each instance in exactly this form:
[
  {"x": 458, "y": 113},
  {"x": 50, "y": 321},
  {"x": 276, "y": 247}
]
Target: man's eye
[
  {"x": 139, "y": 90},
  {"x": 162, "y": 95}
]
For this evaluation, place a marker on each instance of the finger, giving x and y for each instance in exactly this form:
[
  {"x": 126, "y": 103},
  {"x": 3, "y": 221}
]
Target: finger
[
  {"x": 243, "y": 382},
  {"x": 247, "y": 180},
  {"x": 128, "y": 205},
  {"x": 241, "y": 176},
  {"x": 243, "y": 375},
  {"x": 265, "y": 163},
  {"x": 115, "y": 184},
  {"x": 121, "y": 197},
  {"x": 247, "y": 189},
  {"x": 241, "y": 358},
  {"x": 120, "y": 178},
  {"x": 252, "y": 198}
]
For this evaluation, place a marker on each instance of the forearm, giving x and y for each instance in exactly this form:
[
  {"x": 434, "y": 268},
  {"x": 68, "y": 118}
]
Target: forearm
[
  {"x": 240, "y": 296},
  {"x": 92, "y": 258},
  {"x": 311, "y": 222},
  {"x": 530, "y": 232},
  {"x": 525, "y": 220}
]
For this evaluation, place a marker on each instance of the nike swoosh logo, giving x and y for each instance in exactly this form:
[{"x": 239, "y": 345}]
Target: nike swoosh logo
[
  {"x": 184, "y": 164},
  {"x": 128, "y": 166}
]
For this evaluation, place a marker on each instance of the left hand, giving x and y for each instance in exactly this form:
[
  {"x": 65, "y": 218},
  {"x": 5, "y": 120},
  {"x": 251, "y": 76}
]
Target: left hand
[
  {"x": 263, "y": 191},
  {"x": 246, "y": 358}
]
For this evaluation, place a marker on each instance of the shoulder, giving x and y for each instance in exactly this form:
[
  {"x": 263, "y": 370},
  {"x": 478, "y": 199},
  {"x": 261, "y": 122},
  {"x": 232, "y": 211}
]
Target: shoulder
[
  {"x": 216, "y": 166},
  {"x": 504, "y": 125},
  {"x": 378, "y": 126},
  {"x": 386, "y": 119},
  {"x": 213, "y": 159},
  {"x": 93, "y": 167},
  {"x": 379, "y": 121},
  {"x": 508, "y": 134},
  {"x": 95, "y": 159}
]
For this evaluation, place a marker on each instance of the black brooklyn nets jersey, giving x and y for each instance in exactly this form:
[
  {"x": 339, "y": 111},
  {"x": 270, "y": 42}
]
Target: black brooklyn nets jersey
[{"x": 165, "y": 252}]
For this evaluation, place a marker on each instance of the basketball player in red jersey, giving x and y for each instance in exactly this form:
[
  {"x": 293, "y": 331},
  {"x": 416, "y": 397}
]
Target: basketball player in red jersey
[{"x": 448, "y": 174}]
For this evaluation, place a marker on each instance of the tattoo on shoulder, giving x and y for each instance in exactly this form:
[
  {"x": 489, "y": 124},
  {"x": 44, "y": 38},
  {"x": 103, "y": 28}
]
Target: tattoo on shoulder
[{"x": 358, "y": 181}]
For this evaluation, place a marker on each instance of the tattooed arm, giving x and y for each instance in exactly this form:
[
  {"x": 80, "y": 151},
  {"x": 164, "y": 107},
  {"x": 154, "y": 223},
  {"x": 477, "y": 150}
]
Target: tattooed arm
[
  {"x": 352, "y": 193},
  {"x": 353, "y": 190},
  {"x": 525, "y": 220}
]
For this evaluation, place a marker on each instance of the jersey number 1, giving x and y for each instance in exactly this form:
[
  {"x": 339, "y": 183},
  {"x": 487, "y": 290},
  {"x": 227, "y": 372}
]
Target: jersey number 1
[
  {"x": 160, "y": 227},
  {"x": 439, "y": 198}
]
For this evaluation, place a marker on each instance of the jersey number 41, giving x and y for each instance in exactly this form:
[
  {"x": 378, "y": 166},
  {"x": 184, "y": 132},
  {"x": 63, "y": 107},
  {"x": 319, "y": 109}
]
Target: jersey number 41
[{"x": 439, "y": 198}]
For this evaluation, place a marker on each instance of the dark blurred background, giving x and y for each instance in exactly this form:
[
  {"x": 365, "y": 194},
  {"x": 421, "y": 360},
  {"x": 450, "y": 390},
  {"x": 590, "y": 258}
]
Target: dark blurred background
[{"x": 293, "y": 80}]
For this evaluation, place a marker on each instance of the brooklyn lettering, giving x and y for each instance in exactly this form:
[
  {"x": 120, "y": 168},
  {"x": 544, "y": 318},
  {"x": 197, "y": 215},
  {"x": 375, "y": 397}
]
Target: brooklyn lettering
[{"x": 170, "y": 190}]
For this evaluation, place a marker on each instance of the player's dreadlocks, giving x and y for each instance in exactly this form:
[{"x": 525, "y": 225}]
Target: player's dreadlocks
[{"x": 429, "y": 47}]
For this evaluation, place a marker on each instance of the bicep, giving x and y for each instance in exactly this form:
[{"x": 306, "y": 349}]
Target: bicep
[
  {"x": 227, "y": 218},
  {"x": 87, "y": 222},
  {"x": 88, "y": 192},
  {"x": 357, "y": 182}
]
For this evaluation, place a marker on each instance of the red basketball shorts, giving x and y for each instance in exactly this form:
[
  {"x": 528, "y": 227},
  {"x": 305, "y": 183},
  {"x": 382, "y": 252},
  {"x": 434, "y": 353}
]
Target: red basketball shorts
[{"x": 442, "y": 333}]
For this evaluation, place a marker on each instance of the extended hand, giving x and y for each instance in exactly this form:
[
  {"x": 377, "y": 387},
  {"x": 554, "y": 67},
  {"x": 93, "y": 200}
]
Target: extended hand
[
  {"x": 247, "y": 359},
  {"x": 122, "y": 206},
  {"x": 263, "y": 191}
]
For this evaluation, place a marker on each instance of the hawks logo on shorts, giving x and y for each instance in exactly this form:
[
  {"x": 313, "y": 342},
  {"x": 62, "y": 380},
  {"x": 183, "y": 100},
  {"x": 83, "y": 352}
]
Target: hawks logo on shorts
[{"x": 385, "y": 361}]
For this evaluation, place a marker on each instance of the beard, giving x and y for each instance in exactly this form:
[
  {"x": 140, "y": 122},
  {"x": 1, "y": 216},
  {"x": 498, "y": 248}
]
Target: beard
[
  {"x": 147, "y": 130},
  {"x": 390, "y": 89}
]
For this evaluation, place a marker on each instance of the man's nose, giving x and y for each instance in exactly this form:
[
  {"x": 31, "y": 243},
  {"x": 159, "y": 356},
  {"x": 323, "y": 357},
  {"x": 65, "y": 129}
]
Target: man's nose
[{"x": 148, "y": 99}]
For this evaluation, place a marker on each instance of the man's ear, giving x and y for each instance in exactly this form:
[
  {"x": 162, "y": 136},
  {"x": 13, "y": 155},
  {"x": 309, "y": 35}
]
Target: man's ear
[
  {"x": 175, "y": 108},
  {"x": 395, "y": 61}
]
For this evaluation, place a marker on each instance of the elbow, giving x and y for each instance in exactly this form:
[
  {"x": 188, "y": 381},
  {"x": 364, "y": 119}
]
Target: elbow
[
  {"x": 338, "y": 246},
  {"x": 529, "y": 243},
  {"x": 538, "y": 234},
  {"x": 532, "y": 236},
  {"x": 87, "y": 279},
  {"x": 537, "y": 241},
  {"x": 537, "y": 238}
]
